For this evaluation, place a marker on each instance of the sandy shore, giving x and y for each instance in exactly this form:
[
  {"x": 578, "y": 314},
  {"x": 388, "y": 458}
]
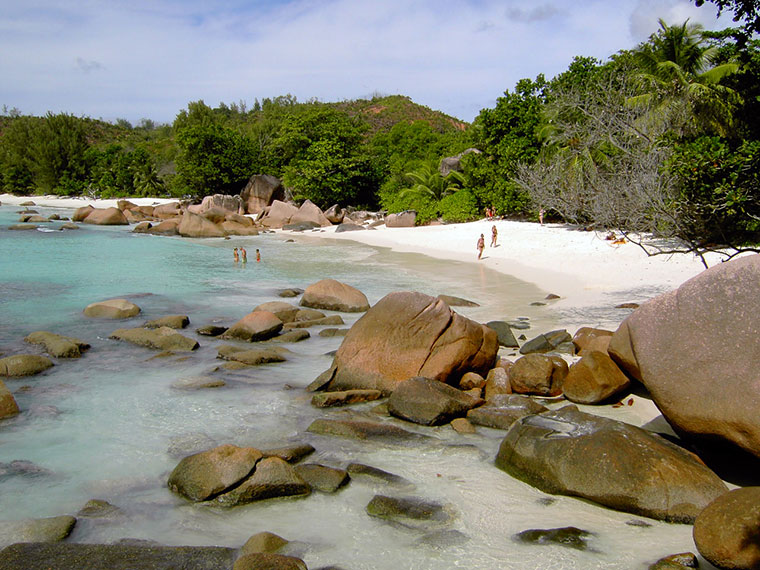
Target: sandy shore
[
  {"x": 52, "y": 201},
  {"x": 582, "y": 267}
]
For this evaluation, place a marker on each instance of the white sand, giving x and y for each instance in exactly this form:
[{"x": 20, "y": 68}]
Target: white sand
[
  {"x": 581, "y": 267},
  {"x": 52, "y": 201}
]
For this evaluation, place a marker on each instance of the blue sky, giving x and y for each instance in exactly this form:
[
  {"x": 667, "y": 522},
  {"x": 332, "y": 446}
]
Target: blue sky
[{"x": 148, "y": 58}]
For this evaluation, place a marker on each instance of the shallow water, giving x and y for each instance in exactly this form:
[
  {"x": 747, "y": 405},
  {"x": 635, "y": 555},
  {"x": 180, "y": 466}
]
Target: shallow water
[{"x": 110, "y": 426}]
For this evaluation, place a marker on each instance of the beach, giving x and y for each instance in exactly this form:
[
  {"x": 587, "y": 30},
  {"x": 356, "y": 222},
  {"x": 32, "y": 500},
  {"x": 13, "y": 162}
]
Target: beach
[{"x": 112, "y": 425}]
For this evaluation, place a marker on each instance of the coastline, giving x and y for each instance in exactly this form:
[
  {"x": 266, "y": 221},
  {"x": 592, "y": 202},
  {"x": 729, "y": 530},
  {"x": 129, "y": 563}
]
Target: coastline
[{"x": 581, "y": 267}]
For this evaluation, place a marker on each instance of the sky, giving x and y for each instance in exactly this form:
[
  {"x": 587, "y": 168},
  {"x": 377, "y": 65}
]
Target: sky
[{"x": 147, "y": 59}]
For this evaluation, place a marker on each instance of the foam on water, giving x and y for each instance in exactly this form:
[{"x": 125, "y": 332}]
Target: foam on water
[{"x": 110, "y": 426}]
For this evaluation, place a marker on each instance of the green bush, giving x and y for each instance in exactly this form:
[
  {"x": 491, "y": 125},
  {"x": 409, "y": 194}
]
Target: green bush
[{"x": 461, "y": 206}]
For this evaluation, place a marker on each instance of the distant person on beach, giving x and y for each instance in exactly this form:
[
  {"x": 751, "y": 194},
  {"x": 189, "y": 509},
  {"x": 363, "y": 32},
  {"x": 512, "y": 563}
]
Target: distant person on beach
[
  {"x": 481, "y": 245},
  {"x": 541, "y": 213},
  {"x": 494, "y": 233},
  {"x": 258, "y": 256},
  {"x": 235, "y": 255},
  {"x": 244, "y": 255}
]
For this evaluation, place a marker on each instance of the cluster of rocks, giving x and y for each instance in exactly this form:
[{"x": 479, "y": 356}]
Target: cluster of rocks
[
  {"x": 29, "y": 220},
  {"x": 435, "y": 367}
]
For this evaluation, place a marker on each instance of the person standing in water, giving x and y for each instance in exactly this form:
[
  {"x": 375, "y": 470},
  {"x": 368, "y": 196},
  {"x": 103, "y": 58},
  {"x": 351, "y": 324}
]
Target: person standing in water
[
  {"x": 243, "y": 255},
  {"x": 481, "y": 245},
  {"x": 235, "y": 255},
  {"x": 258, "y": 256},
  {"x": 493, "y": 236}
]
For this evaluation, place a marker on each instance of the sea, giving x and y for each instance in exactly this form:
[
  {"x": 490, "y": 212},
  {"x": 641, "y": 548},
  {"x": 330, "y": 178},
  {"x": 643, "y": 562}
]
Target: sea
[{"x": 110, "y": 426}]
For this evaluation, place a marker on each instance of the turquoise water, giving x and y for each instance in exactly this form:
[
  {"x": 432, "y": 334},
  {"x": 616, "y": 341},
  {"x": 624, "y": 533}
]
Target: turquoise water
[{"x": 110, "y": 426}]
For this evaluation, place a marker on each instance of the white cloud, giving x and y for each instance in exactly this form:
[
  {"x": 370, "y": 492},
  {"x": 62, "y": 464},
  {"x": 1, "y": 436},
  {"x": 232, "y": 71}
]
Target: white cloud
[{"x": 149, "y": 58}]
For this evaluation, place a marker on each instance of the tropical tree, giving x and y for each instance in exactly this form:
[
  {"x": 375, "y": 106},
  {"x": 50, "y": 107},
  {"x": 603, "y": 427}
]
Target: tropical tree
[
  {"x": 681, "y": 84},
  {"x": 426, "y": 181}
]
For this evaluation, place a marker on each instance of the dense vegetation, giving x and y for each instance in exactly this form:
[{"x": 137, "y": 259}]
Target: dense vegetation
[{"x": 664, "y": 138}]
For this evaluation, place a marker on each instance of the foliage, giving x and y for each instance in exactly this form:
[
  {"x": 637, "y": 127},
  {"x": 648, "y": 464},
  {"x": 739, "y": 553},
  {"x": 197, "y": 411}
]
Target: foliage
[
  {"x": 427, "y": 181},
  {"x": 681, "y": 85},
  {"x": 117, "y": 172},
  {"x": 507, "y": 136},
  {"x": 718, "y": 188},
  {"x": 461, "y": 206},
  {"x": 746, "y": 11},
  {"x": 212, "y": 159}
]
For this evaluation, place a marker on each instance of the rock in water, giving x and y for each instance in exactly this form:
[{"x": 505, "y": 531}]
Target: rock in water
[
  {"x": 257, "y": 325},
  {"x": 206, "y": 474},
  {"x": 8, "y": 405},
  {"x": 623, "y": 467},
  {"x": 332, "y": 295},
  {"x": 68, "y": 556},
  {"x": 727, "y": 532},
  {"x": 24, "y": 365},
  {"x": 696, "y": 350},
  {"x": 35, "y": 530},
  {"x": 162, "y": 338},
  {"x": 406, "y": 335},
  {"x": 429, "y": 402},
  {"x": 112, "y": 309},
  {"x": 57, "y": 345}
]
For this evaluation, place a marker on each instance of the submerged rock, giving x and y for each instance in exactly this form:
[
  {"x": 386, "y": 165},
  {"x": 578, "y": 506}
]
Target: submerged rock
[
  {"x": 171, "y": 321},
  {"x": 263, "y": 542},
  {"x": 58, "y": 345},
  {"x": 362, "y": 429},
  {"x": 51, "y": 529},
  {"x": 322, "y": 478},
  {"x": 414, "y": 513},
  {"x": 569, "y": 536}
]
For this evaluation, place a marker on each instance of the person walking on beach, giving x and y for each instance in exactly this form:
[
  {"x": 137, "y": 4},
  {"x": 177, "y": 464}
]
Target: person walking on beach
[
  {"x": 258, "y": 256},
  {"x": 243, "y": 255},
  {"x": 493, "y": 236},
  {"x": 235, "y": 255},
  {"x": 541, "y": 213},
  {"x": 481, "y": 245}
]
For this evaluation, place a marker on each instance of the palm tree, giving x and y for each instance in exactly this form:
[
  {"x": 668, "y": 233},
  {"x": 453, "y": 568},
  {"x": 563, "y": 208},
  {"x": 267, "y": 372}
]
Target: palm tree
[
  {"x": 682, "y": 86},
  {"x": 427, "y": 182}
]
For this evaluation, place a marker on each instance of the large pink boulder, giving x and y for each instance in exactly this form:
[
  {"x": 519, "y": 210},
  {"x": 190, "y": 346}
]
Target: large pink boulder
[
  {"x": 406, "y": 335},
  {"x": 332, "y": 295},
  {"x": 106, "y": 217},
  {"x": 193, "y": 225},
  {"x": 258, "y": 325},
  {"x": 166, "y": 211},
  {"x": 279, "y": 214},
  {"x": 260, "y": 192},
  {"x": 310, "y": 212},
  {"x": 81, "y": 213},
  {"x": 697, "y": 351}
]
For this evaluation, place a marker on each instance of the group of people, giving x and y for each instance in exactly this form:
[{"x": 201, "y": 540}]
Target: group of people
[{"x": 240, "y": 254}]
